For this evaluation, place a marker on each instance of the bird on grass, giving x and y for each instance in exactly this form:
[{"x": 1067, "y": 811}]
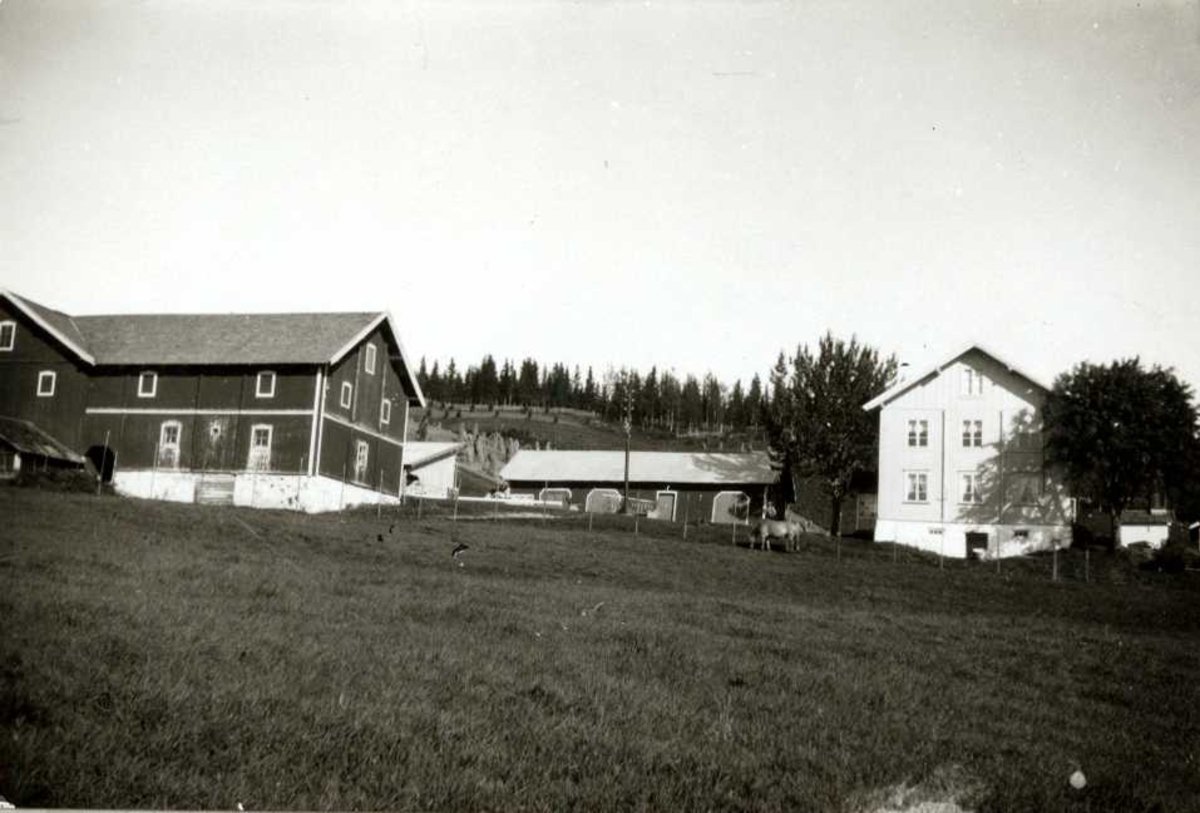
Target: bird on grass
[{"x": 457, "y": 553}]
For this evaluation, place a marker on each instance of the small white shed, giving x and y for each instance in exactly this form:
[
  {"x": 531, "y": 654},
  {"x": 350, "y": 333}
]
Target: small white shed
[{"x": 430, "y": 468}]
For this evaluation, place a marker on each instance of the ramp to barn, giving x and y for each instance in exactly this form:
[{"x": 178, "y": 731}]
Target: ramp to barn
[{"x": 215, "y": 489}]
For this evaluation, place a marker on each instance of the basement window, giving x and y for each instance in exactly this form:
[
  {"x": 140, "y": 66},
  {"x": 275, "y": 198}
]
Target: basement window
[
  {"x": 347, "y": 394},
  {"x": 265, "y": 385},
  {"x": 147, "y": 385},
  {"x": 46, "y": 381},
  {"x": 8, "y": 335},
  {"x": 370, "y": 362},
  {"x": 385, "y": 412}
]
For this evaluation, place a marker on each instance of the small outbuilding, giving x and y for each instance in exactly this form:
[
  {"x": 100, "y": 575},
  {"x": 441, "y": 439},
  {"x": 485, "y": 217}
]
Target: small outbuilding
[
  {"x": 430, "y": 469},
  {"x": 711, "y": 487},
  {"x": 23, "y": 444}
]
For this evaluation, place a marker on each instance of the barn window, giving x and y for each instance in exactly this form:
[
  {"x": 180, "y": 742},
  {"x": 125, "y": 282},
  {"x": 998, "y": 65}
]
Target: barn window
[
  {"x": 347, "y": 394},
  {"x": 385, "y": 412},
  {"x": 361, "y": 458},
  {"x": 8, "y": 335},
  {"x": 168, "y": 444},
  {"x": 260, "y": 447},
  {"x": 918, "y": 433},
  {"x": 970, "y": 491},
  {"x": 370, "y": 362},
  {"x": 917, "y": 486},
  {"x": 265, "y": 385},
  {"x": 972, "y": 433},
  {"x": 147, "y": 385},
  {"x": 46, "y": 380}
]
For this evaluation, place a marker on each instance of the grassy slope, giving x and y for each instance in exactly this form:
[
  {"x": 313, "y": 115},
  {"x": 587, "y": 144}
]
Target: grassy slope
[
  {"x": 159, "y": 655},
  {"x": 574, "y": 430}
]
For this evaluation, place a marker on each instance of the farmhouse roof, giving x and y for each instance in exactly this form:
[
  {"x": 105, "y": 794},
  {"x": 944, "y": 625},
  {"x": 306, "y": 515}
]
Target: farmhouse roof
[
  {"x": 905, "y": 384},
  {"x": 419, "y": 453},
  {"x": 674, "y": 468},
  {"x": 26, "y": 438}
]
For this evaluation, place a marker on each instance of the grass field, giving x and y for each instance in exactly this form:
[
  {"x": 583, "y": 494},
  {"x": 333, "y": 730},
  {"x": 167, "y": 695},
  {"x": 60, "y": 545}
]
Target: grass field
[{"x": 197, "y": 657}]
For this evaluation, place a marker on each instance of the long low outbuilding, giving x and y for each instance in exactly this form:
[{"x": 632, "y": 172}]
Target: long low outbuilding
[{"x": 715, "y": 487}]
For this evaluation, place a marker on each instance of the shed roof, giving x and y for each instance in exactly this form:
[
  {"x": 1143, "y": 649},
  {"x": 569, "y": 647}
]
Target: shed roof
[
  {"x": 419, "y": 453},
  {"x": 26, "y": 438},
  {"x": 675, "y": 468}
]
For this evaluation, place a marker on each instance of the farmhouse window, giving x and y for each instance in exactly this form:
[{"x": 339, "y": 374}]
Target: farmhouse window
[
  {"x": 347, "y": 394},
  {"x": 385, "y": 412},
  {"x": 918, "y": 484},
  {"x": 918, "y": 433},
  {"x": 370, "y": 361},
  {"x": 46, "y": 381},
  {"x": 168, "y": 444},
  {"x": 972, "y": 382},
  {"x": 361, "y": 456},
  {"x": 972, "y": 433},
  {"x": 264, "y": 387},
  {"x": 147, "y": 385},
  {"x": 260, "y": 447},
  {"x": 1026, "y": 488},
  {"x": 970, "y": 492},
  {"x": 8, "y": 335}
]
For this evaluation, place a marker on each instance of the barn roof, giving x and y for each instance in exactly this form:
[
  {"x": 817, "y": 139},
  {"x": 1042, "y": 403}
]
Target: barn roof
[
  {"x": 169, "y": 339},
  {"x": 57, "y": 324},
  {"x": 220, "y": 338},
  {"x": 905, "y": 384},
  {"x": 419, "y": 453},
  {"x": 26, "y": 438},
  {"x": 674, "y": 468}
]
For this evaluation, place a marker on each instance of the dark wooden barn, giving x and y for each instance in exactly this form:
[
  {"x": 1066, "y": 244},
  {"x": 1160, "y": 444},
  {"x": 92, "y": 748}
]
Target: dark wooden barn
[
  {"x": 303, "y": 410},
  {"x": 708, "y": 487}
]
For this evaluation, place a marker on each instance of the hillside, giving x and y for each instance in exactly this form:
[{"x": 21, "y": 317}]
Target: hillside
[{"x": 179, "y": 656}]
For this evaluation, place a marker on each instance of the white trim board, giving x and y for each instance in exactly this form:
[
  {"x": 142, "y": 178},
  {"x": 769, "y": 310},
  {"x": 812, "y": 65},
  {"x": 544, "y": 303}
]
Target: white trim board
[
  {"x": 329, "y": 416},
  {"x": 189, "y": 411}
]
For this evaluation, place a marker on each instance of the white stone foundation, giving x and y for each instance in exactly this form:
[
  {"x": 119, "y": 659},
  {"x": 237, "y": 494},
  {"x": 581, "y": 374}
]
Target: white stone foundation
[
  {"x": 290, "y": 491},
  {"x": 950, "y": 538}
]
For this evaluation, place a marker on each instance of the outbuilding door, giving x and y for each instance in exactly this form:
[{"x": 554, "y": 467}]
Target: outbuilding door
[{"x": 665, "y": 506}]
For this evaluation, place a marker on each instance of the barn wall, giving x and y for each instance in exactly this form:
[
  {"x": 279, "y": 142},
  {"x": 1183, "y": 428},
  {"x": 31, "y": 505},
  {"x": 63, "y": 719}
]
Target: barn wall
[
  {"x": 35, "y": 351},
  {"x": 368, "y": 389},
  {"x": 339, "y": 451},
  {"x": 134, "y": 438}
]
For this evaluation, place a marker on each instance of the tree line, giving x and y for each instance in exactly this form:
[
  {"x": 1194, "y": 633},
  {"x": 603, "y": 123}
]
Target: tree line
[{"x": 658, "y": 399}]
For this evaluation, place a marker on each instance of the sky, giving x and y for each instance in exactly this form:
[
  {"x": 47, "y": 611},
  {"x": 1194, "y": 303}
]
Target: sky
[{"x": 695, "y": 186}]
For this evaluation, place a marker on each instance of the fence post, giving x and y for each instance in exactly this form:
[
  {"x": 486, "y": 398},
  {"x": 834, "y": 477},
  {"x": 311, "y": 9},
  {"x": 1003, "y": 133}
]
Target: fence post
[
  {"x": 455, "y": 505},
  {"x": 635, "y": 523},
  {"x": 342, "y": 495},
  {"x": 590, "y": 515},
  {"x": 379, "y": 492},
  {"x": 1087, "y": 565},
  {"x": 420, "y": 502},
  {"x": 103, "y": 461},
  {"x": 687, "y": 503},
  {"x": 733, "y": 532},
  {"x": 1054, "y": 573},
  {"x": 300, "y": 483}
]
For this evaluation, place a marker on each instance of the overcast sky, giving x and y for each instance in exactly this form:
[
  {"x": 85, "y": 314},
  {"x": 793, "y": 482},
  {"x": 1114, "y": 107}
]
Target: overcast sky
[{"x": 682, "y": 184}]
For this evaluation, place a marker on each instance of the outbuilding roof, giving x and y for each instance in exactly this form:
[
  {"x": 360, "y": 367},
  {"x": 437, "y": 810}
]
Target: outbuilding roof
[
  {"x": 419, "y": 453},
  {"x": 674, "y": 468},
  {"x": 26, "y": 438},
  {"x": 908, "y": 382}
]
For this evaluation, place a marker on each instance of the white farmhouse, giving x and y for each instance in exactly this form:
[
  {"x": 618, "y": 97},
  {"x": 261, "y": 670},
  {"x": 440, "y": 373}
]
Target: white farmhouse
[{"x": 961, "y": 462}]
